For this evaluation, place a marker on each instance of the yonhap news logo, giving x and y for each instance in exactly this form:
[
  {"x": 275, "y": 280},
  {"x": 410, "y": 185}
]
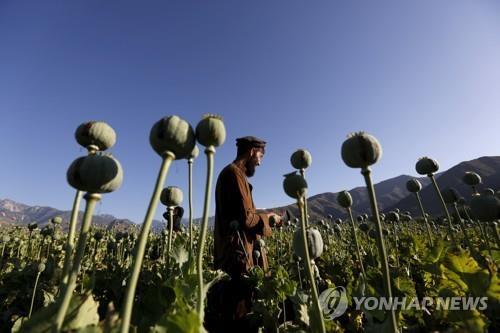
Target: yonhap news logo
[{"x": 334, "y": 302}]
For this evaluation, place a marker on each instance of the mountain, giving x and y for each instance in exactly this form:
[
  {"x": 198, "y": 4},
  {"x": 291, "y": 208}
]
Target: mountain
[
  {"x": 487, "y": 167},
  {"x": 392, "y": 193},
  {"x": 389, "y": 192},
  {"x": 12, "y": 212}
]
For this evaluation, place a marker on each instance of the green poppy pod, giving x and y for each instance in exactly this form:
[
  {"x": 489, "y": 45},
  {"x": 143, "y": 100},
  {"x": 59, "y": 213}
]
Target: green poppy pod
[
  {"x": 471, "y": 178},
  {"x": 95, "y": 135},
  {"x": 294, "y": 185},
  {"x": 32, "y": 226},
  {"x": 314, "y": 243},
  {"x": 426, "y": 166},
  {"x": 98, "y": 173},
  {"x": 382, "y": 216},
  {"x": 372, "y": 233},
  {"x": 256, "y": 254},
  {"x": 172, "y": 134},
  {"x": 393, "y": 217},
  {"x": 338, "y": 220},
  {"x": 171, "y": 196},
  {"x": 5, "y": 238},
  {"x": 47, "y": 232},
  {"x": 260, "y": 244},
  {"x": 56, "y": 220},
  {"x": 361, "y": 150},
  {"x": 364, "y": 227},
  {"x": 57, "y": 236},
  {"x": 301, "y": 159},
  {"x": 344, "y": 199},
  {"x": 450, "y": 195},
  {"x": 485, "y": 207},
  {"x": 41, "y": 267},
  {"x": 413, "y": 185},
  {"x": 488, "y": 191},
  {"x": 211, "y": 131},
  {"x": 360, "y": 218}
]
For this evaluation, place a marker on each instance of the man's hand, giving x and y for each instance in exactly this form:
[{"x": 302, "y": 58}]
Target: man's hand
[{"x": 274, "y": 219}]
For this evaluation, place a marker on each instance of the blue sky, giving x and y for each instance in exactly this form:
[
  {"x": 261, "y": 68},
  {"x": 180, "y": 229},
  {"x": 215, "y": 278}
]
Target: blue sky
[{"x": 422, "y": 76}]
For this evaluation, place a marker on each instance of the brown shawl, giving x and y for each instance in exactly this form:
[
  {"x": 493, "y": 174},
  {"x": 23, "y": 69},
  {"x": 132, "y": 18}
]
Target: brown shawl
[{"x": 233, "y": 250}]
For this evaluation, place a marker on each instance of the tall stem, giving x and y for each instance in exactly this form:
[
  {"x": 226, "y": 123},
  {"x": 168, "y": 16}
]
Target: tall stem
[
  {"x": 190, "y": 195},
  {"x": 70, "y": 242},
  {"x": 34, "y": 292},
  {"x": 209, "y": 151},
  {"x": 462, "y": 225},
  {"x": 355, "y": 236},
  {"x": 496, "y": 233},
  {"x": 92, "y": 199},
  {"x": 429, "y": 235},
  {"x": 450, "y": 230},
  {"x": 170, "y": 232},
  {"x": 141, "y": 245},
  {"x": 303, "y": 174},
  {"x": 307, "y": 263},
  {"x": 380, "y": 243}
]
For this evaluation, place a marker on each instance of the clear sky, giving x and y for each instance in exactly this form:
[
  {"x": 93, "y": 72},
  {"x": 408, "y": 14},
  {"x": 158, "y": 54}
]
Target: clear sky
[{"x": 422, "y": 76}]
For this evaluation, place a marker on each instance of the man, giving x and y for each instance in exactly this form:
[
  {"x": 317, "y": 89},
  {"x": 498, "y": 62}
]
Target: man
[{"x": 237, "y": 229}]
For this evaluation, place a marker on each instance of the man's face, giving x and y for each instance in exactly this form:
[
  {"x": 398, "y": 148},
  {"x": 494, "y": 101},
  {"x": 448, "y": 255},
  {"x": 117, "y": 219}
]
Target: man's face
[{"x": 255, "y": 159}]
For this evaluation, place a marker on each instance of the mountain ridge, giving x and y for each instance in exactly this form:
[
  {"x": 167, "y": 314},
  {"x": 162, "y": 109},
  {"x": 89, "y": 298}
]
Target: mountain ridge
[{"x": 391, "y": 193}]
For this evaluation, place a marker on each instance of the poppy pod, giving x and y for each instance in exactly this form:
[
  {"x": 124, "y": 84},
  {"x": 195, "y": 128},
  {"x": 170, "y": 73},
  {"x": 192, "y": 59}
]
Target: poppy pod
[
  {"x": 172, "y": 134},
  {"x": 361, "y": 150},
  {"x": 96, "y": 135},
  {"x": 450, "y": 195},
  {"x": 393, "y": 217},
  {"x": 56, "y": 220},
  {"x": 301, "y": 159},
  {"x": 99, "y": 173},
  {"x": 171, "y": 196},
  {"x": 211, "y": 131},
  {"x": 471, "y": 178},
  {"x": 413, "y": 185},
  {"x": 294, "y": 185},
  {"x": 426, "y": 166},
  {"x": 314, "y": 243},
  {"x": 485, "y": 207},
  {"x": 344, "y": 199}
]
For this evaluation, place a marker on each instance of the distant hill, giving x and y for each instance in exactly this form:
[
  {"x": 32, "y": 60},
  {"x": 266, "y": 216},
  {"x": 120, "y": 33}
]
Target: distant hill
[
  {"x": 391, "y": 194},
  {"x": 12, "y": 212},
  {"x": 487, "y": 167}
]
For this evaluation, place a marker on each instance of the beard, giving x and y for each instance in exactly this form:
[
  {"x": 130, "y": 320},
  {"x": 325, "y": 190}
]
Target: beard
[{"x": 250, "y": 169}]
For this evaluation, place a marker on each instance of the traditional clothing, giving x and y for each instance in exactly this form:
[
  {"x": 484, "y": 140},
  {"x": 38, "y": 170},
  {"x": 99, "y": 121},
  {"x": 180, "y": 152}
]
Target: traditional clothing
[
  {"x": 233, "y": 247},
  {"x": 237, "y": 228}
]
